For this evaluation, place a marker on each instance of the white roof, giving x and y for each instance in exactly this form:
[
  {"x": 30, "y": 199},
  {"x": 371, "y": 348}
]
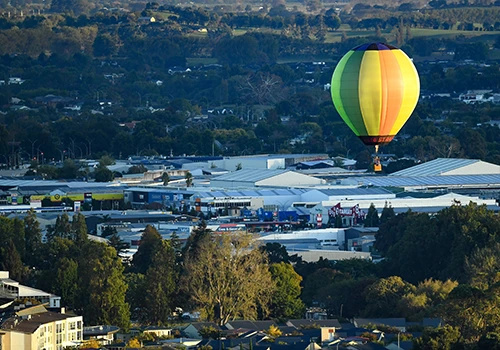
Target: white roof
[
  {"x": 450, "y": 166},
  {"x": 265, "y": 177}
]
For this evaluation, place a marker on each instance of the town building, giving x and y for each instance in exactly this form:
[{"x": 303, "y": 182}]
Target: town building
[{"x": 34, "y": 327}]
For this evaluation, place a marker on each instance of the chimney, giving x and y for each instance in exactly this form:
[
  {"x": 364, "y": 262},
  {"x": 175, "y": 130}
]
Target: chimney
[{"x": 63, "y": 310}]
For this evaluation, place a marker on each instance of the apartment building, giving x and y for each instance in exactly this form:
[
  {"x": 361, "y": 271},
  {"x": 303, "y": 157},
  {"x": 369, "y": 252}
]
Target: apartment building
[{"x": 36, "y": 328}]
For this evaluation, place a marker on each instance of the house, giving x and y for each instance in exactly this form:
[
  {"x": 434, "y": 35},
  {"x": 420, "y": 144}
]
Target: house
[
  {"x": 103, "y": 334},
  {"x": 399, "y": 323},
  {"x": 158, "y": 331},
  {"x": 193, "y": 329},
  {"x": 37, "y": 328}
]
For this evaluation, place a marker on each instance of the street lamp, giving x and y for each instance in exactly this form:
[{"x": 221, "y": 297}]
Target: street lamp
[
  {"x": 33, "y": 148},
  {"x": 62, "y": 154}
]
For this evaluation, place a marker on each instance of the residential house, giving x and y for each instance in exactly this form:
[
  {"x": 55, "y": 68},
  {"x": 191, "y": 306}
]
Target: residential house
[
  {"x": 399, "y": 323},
  {"x": 193, "y": 329},
  {"x": 103, "y": 334},
  {"x": 158, "y": 331}
]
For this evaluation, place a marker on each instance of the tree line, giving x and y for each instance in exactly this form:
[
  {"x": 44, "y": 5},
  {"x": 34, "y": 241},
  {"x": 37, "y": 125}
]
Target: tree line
[{"x": 443, "y": 265}]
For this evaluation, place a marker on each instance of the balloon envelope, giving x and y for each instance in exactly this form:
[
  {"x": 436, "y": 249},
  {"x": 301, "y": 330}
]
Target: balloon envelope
[{"x": 375, "y": 88}]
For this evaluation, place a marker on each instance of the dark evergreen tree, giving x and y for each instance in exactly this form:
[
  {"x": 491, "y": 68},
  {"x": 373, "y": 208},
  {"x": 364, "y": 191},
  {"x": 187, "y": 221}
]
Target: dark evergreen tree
[
  {"x": 151, "y": 241},
  {"x": 10, "y": 260},
  {"x": 372, "y": 219},
  {"x": 33, "y": 239},
  {"x": 387, "y": 214},
  {"x": 119, "y": 244},
  {"x": 79, "y": 228},
  {"x": 160, "y": 283}
]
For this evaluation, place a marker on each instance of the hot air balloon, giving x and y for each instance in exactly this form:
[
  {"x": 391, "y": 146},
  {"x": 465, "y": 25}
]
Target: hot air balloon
[{"x": 375, "y": 88}]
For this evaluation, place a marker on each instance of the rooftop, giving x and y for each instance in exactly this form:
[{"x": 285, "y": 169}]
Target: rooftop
[
  {"x": 426, "y": 181},
  {"x": 250, "y": 175},
  {"x": 435, "y": 167}
]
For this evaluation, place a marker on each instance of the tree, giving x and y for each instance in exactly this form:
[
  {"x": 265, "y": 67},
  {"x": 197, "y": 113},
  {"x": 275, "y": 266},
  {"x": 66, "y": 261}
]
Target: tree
[
  {"x": 189, "y": 179},
  {"x": 66, "y": 281},
  {"x": 228, "y": 278},
  {"x": 276, "y": 253},
  {"x": 103, "y": 174},
  {"x": 69, "y": 170},
  {"x": 196, "y": 239},
  {"x": 135, "y": 294},
  {"x": 442, "y": 338},
  {"x": 33, "y": 238},
  {"x": 165, "y": 178},
  {"x": 472, "y": 310},
  {"x": 10, "y": 260},
  {"x": 387, "y": 213},
  {"x": 151, "y": 242},
  {"x": 160, "y": 284},
  {"x": 62, "y": 228},
  {"x": 490, "y": 341},
  {"x": 79, "y": 228},
  {"x": 274, "y": 331},
  {"x": 285, "y": 302},
  {"x": 102, "y": 286},
  {"x": 119, "y": 244},
  {"x": 383, "y": 297},
  {"x": 372, "y": 219}
]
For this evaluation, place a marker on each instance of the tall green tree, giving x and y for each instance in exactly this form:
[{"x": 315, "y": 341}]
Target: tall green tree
[
  {"x": 119, "y": 244},
  {"x": 151, "y": 242},
  {"x": 285, "y": 300},
  {"x": 160, "y": 284},
  {"x": 372, "y": 218},
  {"x": 102, "y": 286},
  {"x": 79, "y": 230},
  {"x": 33, "y": 238},
  {"x": 387, "y": 214},
  {"x": 10, "y": 260},
  {"x": 66, "y": 281},
  {"x": 61, "y": 229}
]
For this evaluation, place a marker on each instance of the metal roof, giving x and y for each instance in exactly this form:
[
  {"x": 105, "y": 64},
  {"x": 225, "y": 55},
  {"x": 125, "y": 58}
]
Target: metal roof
[
  {"x": 426, "y": 181},
  {"x": 253, "y": 193},
  {"x": 250, "y": 175},
  {"x": 55, "y": 184},
  {"x": 435, "y": 167},
  {"x": 358, "y": 191}
]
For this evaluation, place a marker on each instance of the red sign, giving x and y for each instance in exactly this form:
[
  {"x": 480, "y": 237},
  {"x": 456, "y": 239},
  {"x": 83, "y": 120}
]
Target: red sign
[{"x": 354, "y": 212}]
